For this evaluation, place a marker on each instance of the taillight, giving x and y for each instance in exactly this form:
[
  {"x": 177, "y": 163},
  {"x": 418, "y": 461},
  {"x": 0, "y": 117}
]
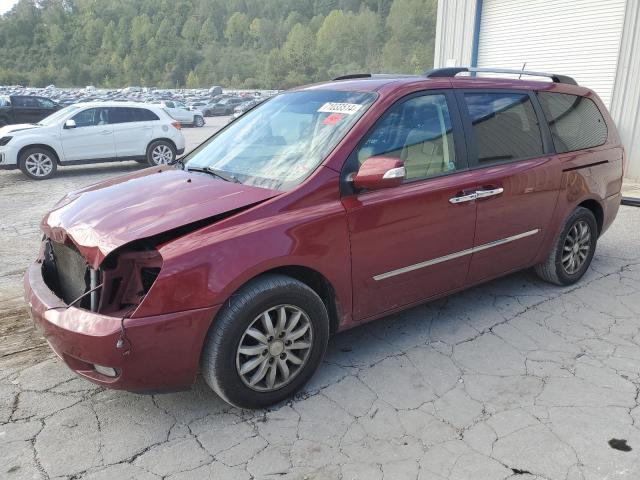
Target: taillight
[{"x": 178, "y": 125}]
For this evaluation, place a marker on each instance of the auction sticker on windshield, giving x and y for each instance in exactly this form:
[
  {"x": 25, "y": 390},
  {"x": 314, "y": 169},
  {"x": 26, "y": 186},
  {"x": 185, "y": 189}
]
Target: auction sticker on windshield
[{"x": 333, "y": 107}]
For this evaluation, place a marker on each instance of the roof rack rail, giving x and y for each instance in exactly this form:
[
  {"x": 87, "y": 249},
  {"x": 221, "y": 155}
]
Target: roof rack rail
[
  {"x": 353, "y": 75},
  {"x": 453, "y": 71}
]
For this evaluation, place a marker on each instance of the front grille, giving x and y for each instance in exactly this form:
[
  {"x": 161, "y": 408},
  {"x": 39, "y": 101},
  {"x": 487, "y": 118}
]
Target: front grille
[{"x": 65, "y": 272}]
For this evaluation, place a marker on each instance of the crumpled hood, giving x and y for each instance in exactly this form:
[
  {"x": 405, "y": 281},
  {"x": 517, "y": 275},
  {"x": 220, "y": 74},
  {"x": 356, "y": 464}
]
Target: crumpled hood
[
  {"x": 110, "y": 214},
  {"x": 17, "y": 127}
]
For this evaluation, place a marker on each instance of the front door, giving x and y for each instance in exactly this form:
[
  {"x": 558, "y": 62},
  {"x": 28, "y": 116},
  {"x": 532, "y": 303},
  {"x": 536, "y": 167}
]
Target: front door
[
  {"x": 412, "y": 242},
  {"x": 518, "y": 179},
  {"x": 92, "y": 137}
]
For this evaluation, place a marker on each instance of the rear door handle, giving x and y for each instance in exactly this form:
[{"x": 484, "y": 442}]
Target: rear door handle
[
  {"x": 105, "y": 132},
  {"x": 489, "y": 192},
  {"x": 470, "y": 197}
]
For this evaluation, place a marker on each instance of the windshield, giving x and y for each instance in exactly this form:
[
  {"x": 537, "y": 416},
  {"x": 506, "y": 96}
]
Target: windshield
[
  {"x": 281, "y": 142},
  {"x": 55, "y": 117}
]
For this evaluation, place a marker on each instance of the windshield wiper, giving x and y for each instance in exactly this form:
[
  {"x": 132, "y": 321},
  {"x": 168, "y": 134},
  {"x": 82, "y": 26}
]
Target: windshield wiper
[
  {"x": 216, "y": 173},
  {"x": 178, "y": 161}
]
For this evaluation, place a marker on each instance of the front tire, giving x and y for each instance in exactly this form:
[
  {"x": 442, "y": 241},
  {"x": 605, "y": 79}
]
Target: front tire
[
  {"x": 572, "y": 251},
  {"x": 38, "y": 163},
  {"x": 266, "y": 342},
  {"x": 161, "y": 152}
]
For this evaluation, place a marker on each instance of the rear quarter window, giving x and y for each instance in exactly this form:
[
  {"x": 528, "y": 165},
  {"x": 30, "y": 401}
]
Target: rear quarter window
[
  {"x": 144, "y": 115},
  {"x": 575, "y": 122}
]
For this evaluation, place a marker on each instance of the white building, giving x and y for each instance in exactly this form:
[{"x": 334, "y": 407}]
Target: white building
[{"x": 597, "y": 42}]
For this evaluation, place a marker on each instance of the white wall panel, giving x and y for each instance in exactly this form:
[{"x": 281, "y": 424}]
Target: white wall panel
[
  {"x": 454, "y": 32},
  {"x": 625, "y": 105}
]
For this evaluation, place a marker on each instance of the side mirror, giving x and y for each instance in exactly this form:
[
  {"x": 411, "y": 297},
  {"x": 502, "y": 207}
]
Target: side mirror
[
  {"x": 70, "y": 124},
  {"x": 379, "y": 172}
]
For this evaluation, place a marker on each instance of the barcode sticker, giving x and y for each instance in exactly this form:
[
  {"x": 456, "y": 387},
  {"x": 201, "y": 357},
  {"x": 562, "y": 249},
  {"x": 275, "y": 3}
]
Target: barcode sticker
[{"x": 332, "y": 107}]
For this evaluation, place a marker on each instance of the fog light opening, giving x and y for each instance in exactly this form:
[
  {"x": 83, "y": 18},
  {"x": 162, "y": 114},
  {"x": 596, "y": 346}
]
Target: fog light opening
[{"x": 106, "y": 371}]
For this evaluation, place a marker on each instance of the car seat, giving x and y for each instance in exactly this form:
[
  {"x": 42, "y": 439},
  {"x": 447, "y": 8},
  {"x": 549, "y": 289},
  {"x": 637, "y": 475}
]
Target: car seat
[{"x": 423, "y": 148}]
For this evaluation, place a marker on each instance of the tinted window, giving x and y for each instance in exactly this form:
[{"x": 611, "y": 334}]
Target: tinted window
[
  {"x": 44, "y": 102},
  {"x": 169, "y": 104},
  {"x": 92, "y": 117},
  {"x": 120, "y": 115},
  {"x": 144, "y": 115},
  {"x": 505, "y": 126},
  {"x": 575, "y": 122},
  {"x": 417, "y": 131},
  {"x": 23, "y": 102}
]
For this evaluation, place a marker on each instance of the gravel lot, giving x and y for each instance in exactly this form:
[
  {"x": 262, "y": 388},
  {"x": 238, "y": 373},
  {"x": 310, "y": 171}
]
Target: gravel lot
[{"x": 512, "y": 379}]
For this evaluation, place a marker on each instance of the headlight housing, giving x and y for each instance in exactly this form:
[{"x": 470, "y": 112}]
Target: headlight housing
[
  {"x": 116, "y": 288},
  {"x": 126, "y": 278}
]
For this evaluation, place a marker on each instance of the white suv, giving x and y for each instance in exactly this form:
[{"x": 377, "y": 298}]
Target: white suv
[
  {"x": 91, "y": 133},
  {"x": 185, "y": 116}
]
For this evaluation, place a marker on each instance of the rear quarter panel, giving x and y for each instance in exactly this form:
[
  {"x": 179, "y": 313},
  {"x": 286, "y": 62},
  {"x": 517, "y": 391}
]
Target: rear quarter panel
[{"x": 593, "y": 174}]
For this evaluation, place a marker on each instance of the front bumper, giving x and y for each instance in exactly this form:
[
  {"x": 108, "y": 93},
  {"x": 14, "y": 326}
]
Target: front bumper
[
  {"x": 160, "y": 352},
  {"x": 8, "y": 157}
]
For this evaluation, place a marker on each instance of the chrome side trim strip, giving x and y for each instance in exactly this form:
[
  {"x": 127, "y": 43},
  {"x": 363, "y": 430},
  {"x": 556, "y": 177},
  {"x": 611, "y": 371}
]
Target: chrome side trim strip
[{"x": 455, "y": 255}]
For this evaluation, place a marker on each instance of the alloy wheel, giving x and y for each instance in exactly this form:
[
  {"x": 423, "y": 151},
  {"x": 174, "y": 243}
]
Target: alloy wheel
[
  {"x": 274, "y": 348},
  {"x": 39, "y": 164},
  {"x": 577, "y": 245},
  {"x": 162, "y": 155}
]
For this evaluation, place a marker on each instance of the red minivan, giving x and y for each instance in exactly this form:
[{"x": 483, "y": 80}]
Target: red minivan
[{"x": 321, "y": 209}]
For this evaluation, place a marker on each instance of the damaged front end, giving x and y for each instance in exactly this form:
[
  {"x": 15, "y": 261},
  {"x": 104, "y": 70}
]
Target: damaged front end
[
  {"x": 115, "y": 288},
  {"x": 88, "y": 317}
]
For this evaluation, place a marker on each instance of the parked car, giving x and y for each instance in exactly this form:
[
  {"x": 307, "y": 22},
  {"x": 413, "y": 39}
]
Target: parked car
[
  {"x": 223, "y": 107},
  {"x": 322, "y": 209},
  {"x": 244, "y": 107},
  {"x": 215, "y": 90},
  {"x": 25, "y": 109},
  {"x": 185, "y": 116},
  {"x": 91, "y": 133}
]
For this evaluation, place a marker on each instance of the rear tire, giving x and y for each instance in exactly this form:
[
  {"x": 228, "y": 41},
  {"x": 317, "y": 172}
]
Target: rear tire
[
  {"x": 161, "y": 152},
  {"x": 38, "y": 163},
  {"x": 572, "y": 251},
  {"x": 251, "y": 362},
  {"x": 198, "y": 121}
]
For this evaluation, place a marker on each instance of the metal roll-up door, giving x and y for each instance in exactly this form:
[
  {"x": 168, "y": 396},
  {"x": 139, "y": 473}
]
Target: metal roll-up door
[{"x": 579, "y": 38}]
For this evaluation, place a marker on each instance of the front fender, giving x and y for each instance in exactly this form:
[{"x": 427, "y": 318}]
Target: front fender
[
  {"x": 28, "y": 140},
  {"x": 205, "y": 267}
]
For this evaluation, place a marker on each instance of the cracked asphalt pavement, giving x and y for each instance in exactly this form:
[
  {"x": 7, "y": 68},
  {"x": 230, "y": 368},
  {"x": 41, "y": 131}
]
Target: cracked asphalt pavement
[{"x": 512, "y": 379}]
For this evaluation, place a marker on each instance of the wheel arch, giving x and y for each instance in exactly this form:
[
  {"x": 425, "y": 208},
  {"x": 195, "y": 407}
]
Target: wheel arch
[
  {"x": 40, "y": 145},
  {"x": 596, "y": 208},
  {"x": 313, "y": 279},
  {"x": 164, "y": 139}
]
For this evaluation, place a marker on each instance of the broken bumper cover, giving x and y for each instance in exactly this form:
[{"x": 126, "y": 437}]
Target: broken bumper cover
[{"x": 159, "y": 353}]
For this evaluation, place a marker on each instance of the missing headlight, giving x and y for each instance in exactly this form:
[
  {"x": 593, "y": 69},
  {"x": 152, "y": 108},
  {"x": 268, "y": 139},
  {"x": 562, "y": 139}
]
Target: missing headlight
[
  {"x": 127, "y": 277},
  {"x": 148, "y": 275}
]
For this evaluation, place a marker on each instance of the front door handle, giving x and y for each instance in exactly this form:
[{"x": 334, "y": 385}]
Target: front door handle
[
  {"x": 105, "y": 132},
  {"x": 489, "y": 192},
  {"x": 469, "y": 197}
]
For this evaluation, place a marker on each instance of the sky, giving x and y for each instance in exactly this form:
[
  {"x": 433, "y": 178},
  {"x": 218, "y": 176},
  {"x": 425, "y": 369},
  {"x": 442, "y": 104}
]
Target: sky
[{"x": 5, "y": 5}]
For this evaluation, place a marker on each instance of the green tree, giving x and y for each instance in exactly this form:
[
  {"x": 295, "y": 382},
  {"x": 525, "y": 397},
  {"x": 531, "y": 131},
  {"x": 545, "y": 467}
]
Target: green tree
[
  {"x": 237, "y": 28},
  {"x": 250, "y": 43}
]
